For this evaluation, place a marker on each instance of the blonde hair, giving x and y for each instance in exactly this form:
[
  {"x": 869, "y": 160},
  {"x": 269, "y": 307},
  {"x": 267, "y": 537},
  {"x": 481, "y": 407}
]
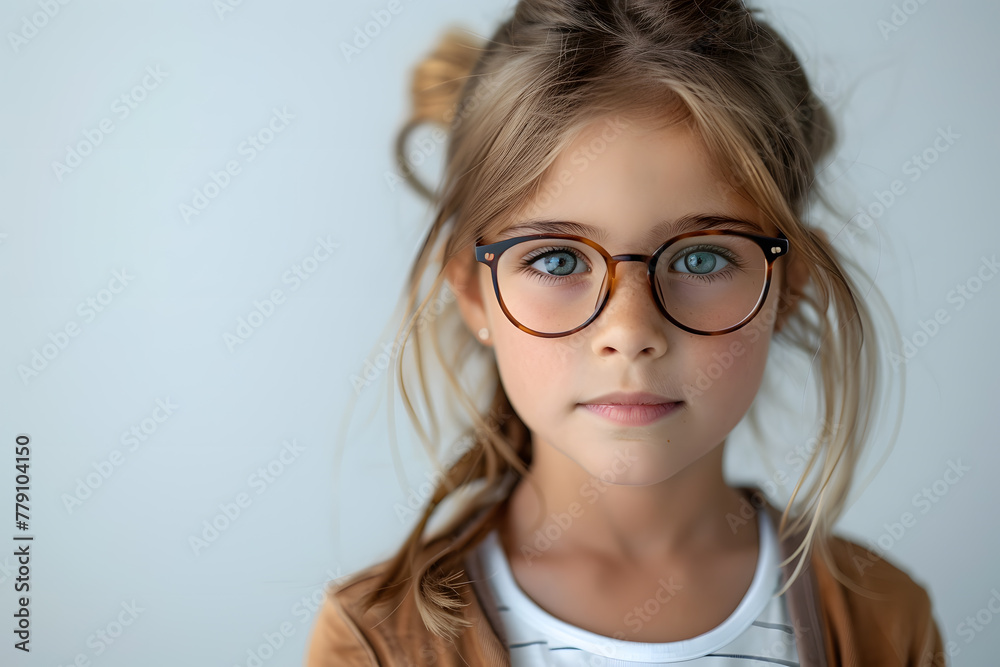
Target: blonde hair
[{"x": 510, "y": 105}]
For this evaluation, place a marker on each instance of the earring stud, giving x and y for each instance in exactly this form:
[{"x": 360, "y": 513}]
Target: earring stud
[{"x": 484, "y": 333}]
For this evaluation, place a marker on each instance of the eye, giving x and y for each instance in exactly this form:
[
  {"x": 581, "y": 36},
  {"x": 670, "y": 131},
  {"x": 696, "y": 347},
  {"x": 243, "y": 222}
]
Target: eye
[
  {"x": 701, "y": 261},
  {"x": 557, "y": 261}
]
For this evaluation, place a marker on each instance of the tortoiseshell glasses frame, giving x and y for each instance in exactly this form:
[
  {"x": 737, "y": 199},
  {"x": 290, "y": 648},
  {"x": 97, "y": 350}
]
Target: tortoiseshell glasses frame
[{"x": 771, "y": 247}]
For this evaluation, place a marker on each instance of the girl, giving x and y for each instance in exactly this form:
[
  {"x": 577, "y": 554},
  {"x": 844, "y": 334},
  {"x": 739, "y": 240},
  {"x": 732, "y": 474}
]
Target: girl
[{"x": 621, "y": 230}]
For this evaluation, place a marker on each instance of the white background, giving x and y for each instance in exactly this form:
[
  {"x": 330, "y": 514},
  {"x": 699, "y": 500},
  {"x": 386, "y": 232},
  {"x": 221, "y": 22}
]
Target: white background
[{"x": 323, "y": 176}]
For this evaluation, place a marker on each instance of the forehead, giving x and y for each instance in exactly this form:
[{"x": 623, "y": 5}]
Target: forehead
[{"x": 624, "y": 176}]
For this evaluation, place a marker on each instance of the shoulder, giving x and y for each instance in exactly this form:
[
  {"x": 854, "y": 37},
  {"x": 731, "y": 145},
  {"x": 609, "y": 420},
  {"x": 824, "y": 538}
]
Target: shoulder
[
  {"x": 875, "y": 604},
  {"x": 874, "y": 576},
  {"x": 346, "y": 634},
  {"x": 338, "y": 636}
]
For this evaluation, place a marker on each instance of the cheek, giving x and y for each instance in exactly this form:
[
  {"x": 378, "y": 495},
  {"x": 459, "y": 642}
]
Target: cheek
[
  {"x": 728, "y": 370},
  {"x": 533, "y": 370},
  {"x": 533, "y": 384}
]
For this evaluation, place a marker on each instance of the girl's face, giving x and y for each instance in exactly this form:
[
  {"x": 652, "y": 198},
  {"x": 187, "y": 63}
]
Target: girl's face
[{"x": 624, "y": 179}]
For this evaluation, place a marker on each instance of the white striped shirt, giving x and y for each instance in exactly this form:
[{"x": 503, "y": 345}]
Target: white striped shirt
[{"x": 758, "y": 632}]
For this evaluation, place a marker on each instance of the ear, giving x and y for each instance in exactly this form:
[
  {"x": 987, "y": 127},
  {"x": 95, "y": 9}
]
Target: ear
[
  {"x": 462, "y": 274},
  {"x": 796, "y": 278}
]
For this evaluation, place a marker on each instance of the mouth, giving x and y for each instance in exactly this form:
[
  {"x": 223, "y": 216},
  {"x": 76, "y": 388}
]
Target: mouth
[{"x": 632, "y": 409}]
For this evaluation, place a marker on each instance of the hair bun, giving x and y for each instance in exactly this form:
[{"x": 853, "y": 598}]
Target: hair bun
[
  {"x": 439, "y": 78},
  {"x": 435, "y": 90}
]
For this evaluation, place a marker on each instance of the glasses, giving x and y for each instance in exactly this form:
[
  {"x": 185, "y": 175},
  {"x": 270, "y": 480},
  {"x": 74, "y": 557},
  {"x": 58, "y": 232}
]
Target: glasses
[{"x": 707, "y": 282}]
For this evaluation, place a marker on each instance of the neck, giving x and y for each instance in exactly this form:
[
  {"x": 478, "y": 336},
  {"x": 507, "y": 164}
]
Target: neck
[{"x": 682, "y": 518}]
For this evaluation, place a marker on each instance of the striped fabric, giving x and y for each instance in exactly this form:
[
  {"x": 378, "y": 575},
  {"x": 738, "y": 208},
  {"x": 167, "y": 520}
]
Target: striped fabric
[{"x": 758, "y": 632}]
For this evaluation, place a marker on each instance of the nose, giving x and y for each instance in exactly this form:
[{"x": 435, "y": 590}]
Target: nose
[{"x": 631, "y": 323}]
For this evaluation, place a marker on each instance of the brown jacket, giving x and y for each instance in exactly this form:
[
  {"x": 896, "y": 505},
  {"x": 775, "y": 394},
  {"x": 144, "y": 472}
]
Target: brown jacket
[{"x": 833, "y": 624}]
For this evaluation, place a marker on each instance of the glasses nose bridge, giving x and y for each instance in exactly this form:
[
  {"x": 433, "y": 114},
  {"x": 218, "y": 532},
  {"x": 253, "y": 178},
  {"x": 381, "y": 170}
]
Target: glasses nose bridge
[
  {"x": 618, "y": 259},
  {"x": 646, "y": 278}
]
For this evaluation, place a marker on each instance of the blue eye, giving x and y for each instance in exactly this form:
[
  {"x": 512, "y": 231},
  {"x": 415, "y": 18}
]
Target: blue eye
[
  {"x": 706, "y": 262},
  {"x": 556, "y": 261},
  {"x": 701, "y": 262}
]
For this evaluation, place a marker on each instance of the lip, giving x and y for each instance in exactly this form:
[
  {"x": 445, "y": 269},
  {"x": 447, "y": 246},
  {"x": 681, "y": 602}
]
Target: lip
[
  {"x": 632, "y": 408},
  {"x": 632, "y": 415},
  {"x": 630, "y": 398}
]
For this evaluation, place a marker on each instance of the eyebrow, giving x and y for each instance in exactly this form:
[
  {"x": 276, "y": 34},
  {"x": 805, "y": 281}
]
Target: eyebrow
[{"x": 657, "y": 234}]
